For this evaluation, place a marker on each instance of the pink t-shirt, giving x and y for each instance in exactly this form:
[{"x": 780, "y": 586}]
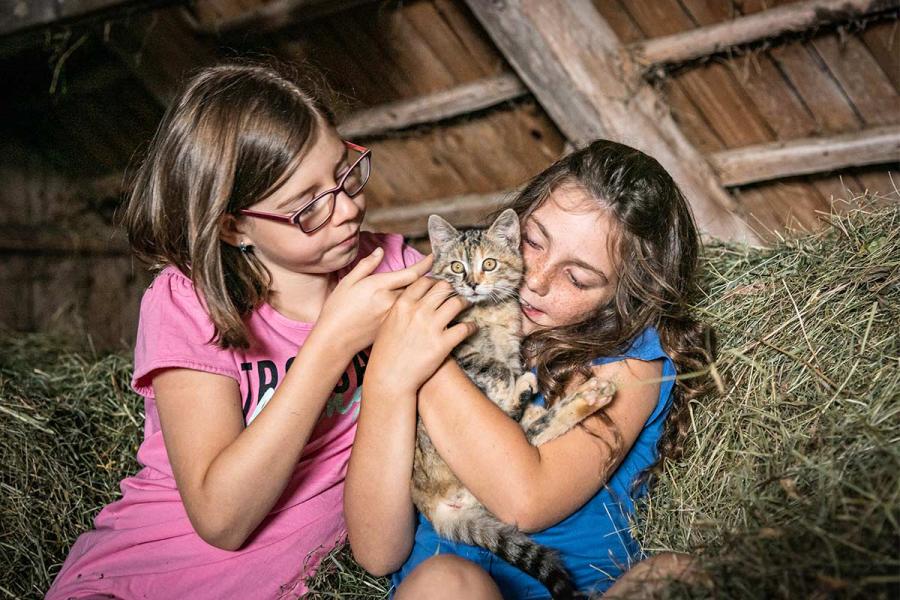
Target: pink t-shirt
[{"x": 143, "y": 545}]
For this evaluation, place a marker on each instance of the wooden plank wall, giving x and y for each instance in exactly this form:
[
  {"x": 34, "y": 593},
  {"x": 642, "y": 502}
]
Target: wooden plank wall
[
  {"x": 105, "y": 107},
  {"x": 375, "y": 54},
  {"x": 92, "y": 296},
  {"x": 831, "y": 84}
]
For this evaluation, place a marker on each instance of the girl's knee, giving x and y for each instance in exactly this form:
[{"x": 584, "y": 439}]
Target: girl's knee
[{"x": 448, "y": 576}]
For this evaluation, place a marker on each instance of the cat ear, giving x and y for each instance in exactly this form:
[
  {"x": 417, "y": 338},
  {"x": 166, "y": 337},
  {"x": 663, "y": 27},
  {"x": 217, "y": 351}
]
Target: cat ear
[
  {"x": 440, "y": 232},
  {"x": 505, "y": 229}
]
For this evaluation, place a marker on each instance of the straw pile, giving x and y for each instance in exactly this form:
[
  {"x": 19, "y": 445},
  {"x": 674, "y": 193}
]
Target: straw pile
[
  {"x": 790, "y": 487},
  {"x": 69, "y": 431}
]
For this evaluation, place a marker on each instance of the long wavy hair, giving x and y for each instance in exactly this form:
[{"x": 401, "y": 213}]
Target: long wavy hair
[
  {"x": 657, "y": 245},
  {"x": 233, "y": 136}
]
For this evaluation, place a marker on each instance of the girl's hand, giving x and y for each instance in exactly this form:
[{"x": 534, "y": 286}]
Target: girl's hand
[
  {"x": 414, "y": 339},
  {"x": 360, "y": 301}
]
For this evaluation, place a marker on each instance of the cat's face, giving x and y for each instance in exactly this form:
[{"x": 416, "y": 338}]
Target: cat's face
[{"x": 481, "y": 264}]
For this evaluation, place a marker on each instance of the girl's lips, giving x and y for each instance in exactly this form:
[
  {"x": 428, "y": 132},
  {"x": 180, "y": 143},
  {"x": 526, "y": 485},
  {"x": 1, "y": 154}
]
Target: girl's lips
[
  {"x": 350, "y": 241},
  {"x": 531, "y": 312}
]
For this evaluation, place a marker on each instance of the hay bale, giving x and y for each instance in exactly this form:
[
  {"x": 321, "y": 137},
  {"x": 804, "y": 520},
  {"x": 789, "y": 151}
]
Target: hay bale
[{"x": 789, "y": 487}]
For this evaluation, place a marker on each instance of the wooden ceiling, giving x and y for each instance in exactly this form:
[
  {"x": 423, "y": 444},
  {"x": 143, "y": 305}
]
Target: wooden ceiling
[{"x": 456, "y": 114}]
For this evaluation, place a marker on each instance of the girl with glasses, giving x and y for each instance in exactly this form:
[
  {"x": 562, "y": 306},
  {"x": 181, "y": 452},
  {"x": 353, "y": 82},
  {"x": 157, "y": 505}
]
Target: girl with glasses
[{"x": 251, "y": 345}]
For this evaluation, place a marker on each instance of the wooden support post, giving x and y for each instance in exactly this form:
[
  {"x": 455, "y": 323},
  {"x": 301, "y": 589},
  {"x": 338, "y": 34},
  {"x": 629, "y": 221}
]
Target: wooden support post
[
  {"x": 460, "y": 100},
  {"x": 798, "y": 16},
  {"x": 570, "y": 58},
  {"x": 810, "y": 155}
]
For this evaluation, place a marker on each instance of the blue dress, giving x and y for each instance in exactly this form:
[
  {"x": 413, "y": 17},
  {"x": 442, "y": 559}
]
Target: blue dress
[{"x": 595, "y": 541}]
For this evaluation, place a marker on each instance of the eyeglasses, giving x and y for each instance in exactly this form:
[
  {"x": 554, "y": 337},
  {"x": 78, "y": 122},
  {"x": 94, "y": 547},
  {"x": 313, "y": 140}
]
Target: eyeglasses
[{"x": 315, "y": 213}]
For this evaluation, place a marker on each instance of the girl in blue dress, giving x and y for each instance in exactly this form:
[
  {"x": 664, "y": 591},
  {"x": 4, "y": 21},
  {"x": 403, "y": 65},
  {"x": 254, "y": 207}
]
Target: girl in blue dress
[{"x": 610, "y": 250}]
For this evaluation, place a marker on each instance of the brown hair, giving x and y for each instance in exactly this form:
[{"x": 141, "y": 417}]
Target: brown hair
[
  {"x": 657, "y": 245},
  {"x": 233, "y": 136}
]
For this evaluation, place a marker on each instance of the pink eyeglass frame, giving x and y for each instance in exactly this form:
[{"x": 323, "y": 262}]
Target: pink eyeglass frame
[{"x": 335, "y": 190}]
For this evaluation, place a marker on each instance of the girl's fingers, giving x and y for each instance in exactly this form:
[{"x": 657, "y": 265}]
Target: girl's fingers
[
  {"x": 418, "y": 288},
  {"x": 365, "y": 266},
  {"x": 456, "y": 334},
  {"x": 423, "y": 266},
  {"x": 438, "y": 295},
  {"x": 404, "y": 277},
  {"x": 450, "y": 309}
]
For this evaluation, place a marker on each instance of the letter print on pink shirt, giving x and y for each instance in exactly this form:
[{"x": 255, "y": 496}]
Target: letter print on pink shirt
[{"x": 263, "y": 377}]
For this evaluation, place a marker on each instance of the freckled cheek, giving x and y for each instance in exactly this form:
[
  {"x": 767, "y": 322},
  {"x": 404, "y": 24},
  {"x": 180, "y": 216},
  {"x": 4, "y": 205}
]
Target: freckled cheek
[{"x": 565, "y": 309}]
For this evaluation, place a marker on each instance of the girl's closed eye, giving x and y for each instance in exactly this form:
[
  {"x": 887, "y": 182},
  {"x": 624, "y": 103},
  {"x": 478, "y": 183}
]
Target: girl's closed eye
[
  {"x": 578, "y": 284},
  {"x": 530, "y": 241}
]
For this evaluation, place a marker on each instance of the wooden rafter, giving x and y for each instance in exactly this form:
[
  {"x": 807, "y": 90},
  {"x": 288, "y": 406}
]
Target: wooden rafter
[
  {"x": 17, "y": 17},
  {"x": 569, "y": 57},
  {"x": 274, "y": 15},
  {"x": 160, "y": 49},
  {"x": 431, "y": 108},
  {"x": 770, "y": 23},
  {"x": 32, "y": 239},
  {"x": 412, "y": 220},
  {"x": 810, "y": 155}
]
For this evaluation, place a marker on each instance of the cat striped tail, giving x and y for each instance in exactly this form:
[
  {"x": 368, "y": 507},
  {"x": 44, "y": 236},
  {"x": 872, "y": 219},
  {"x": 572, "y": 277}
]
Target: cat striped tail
[{"x": 482, "y": 528}]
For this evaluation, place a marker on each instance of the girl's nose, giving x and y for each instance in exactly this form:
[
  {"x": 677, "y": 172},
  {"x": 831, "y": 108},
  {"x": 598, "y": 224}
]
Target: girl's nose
[
  {"x": 347, "y": 208},
  {"x": 537, "y": 278}
]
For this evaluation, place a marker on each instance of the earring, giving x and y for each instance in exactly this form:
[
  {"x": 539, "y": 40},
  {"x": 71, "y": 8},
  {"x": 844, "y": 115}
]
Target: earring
[{"x": 244, "y": 247}]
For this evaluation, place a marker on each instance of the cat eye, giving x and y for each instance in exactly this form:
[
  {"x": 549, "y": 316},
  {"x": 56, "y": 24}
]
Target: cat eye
[
  {"x": 457, "y": 267},
  {"x": 489, "y": 264}
]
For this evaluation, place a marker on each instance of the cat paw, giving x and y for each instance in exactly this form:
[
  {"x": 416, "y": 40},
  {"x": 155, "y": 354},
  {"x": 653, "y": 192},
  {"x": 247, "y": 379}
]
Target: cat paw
[
  {"x": 526, "y": 384},
  {"x": 596, "y": 393}
]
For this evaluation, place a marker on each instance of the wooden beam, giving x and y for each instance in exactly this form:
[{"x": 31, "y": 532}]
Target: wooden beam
[
  {"x": 763, "y": 162},
  {"x": 160, "y": 49},
  {"x": 570, "y": 58},
  {"x": 274, "y": 15},
  {"x": 19, "y": 16},
  {"x": 412, "y": 220},
  {"x": 460, "y": 100},
  {"x": 770, "y": 23},
  {"x": 34, "y": 239}
]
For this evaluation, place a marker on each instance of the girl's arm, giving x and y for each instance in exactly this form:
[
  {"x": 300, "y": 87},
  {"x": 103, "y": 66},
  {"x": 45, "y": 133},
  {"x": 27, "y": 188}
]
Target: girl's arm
[
  {"x": 230, "y": 476},
  {"x": 534, "y": 487},
  {"x": 377, "y": 502}
]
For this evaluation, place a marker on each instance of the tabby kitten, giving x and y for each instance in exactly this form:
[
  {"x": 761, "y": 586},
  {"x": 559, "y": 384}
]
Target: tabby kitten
[{"x": 485, "y": 267}]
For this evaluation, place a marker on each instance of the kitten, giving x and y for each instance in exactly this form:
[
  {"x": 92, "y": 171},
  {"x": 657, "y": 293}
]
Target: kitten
[{"x": 485, "y": 267}]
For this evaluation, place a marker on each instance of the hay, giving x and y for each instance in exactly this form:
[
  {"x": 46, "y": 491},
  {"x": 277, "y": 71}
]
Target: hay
[
  {"x": 70, "y": 431},
  {"x": 791, "y": 486},
  {"x": 789, "y": 489}
]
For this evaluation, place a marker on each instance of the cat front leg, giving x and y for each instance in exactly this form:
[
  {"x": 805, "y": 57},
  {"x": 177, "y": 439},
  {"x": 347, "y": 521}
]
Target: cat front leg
[
  {"x": 588, "y": 398},
  {"x": 520, "y": 397},
  {"x": 532, "y": 413}
]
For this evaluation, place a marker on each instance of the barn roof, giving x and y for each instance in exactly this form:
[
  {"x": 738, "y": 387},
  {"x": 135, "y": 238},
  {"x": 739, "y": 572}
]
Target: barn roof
[{"x": 774, "y": 107}]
